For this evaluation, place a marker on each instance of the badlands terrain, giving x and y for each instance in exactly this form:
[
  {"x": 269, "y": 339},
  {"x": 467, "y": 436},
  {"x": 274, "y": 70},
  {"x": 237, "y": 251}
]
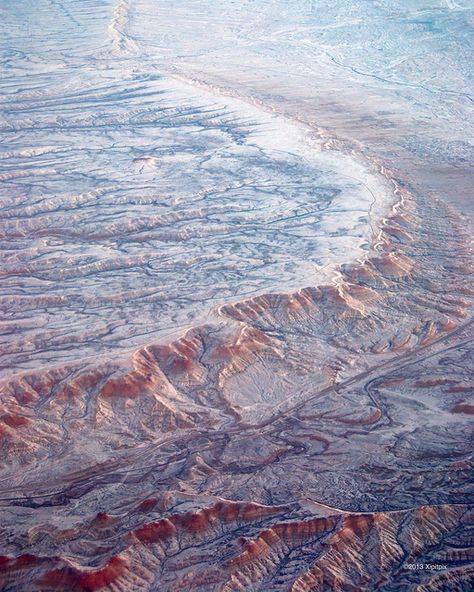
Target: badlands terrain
[{"x": 236, "y": 296}]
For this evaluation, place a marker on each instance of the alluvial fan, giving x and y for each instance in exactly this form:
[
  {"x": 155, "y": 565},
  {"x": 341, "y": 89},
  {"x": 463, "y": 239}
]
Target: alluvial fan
[{"x": 236, "y": 288}]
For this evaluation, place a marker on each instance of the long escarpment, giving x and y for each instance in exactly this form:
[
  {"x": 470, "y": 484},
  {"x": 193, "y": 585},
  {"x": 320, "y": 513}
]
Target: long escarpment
[
  {"x": 252, "y": 548},
  {"x": 315, "y": 439},
  {"x": 235, "y": 347}
]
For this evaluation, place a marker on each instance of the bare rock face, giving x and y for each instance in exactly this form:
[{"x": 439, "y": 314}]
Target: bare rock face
[
  {"x": 303, "y": 546},
  {"x": 236, "y": 351},
  {"x": 312, "y": 440}
]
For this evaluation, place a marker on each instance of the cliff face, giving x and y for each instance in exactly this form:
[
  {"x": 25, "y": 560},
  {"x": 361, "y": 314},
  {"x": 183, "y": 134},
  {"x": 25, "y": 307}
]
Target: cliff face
[
  {"x": 312, "y": 440},
  {"x": 197, "y": 391},
  {"x": 236, "y": 546}
]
